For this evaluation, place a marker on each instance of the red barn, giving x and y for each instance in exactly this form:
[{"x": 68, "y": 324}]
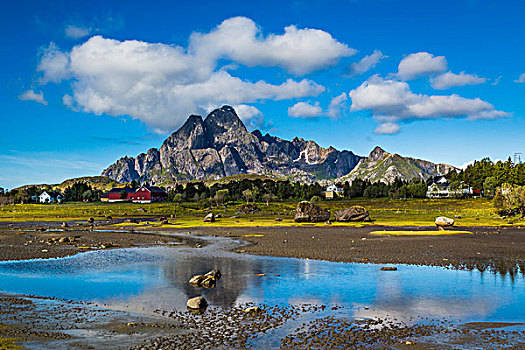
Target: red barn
[
  {"x": 148, "y": 194},
  {"x": 144, "y": 194}
]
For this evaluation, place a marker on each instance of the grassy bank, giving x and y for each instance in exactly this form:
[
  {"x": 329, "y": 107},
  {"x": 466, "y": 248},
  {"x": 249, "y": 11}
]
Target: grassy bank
[{"x": 416, "y": 212}]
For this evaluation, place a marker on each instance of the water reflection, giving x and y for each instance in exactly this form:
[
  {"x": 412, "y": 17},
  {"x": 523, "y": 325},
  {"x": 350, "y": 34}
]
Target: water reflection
[{"x": 148, "y": 279}]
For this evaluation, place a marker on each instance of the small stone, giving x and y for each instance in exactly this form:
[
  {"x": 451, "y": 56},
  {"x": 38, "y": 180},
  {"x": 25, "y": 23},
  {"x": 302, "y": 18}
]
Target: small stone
[
  {"x": 197, "y": 303},
  {"x": 253, "y": 310},
  {"x": 388, "y": 268}
]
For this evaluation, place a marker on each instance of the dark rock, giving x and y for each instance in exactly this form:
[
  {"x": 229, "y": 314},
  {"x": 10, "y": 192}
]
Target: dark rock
[
  {"x": 197, "y": 303},
  {"x": 209, "y": 218},
  {"x": 309, "y": 212},
  {"x": 353, "y": 213},
  {"x": 388, "y": 268},
  {"x": 91, "y": 220},
  {"x": 208, "y": 282},
  {"x": 278, "y": 219},
  {"x": 109, "y": 217},
  {"x": 64, "y": 224},
  {"x": 164, "y": 222}
]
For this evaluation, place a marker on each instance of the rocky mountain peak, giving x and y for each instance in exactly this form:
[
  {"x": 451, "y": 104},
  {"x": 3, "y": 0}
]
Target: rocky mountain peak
[{"x": 377, "y": 154}]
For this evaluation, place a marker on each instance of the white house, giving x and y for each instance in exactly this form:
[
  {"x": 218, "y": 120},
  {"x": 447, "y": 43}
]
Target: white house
[
  {"x": 51, "y": 197},
  {"x": 333, "y": 191}
]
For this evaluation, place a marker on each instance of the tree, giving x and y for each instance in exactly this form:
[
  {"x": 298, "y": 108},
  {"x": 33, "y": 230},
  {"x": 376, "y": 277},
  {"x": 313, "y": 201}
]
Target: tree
[
  {"x": 177, "y": 198},
  {"x": 489, "y": 186},
  {"x": 510, "y": 200},
  {"x": 247, "y": 194},
  {"x": 315, "y": 199},
  {"x": 267, "y": 197},
  {"x": 220, "y": 196}
]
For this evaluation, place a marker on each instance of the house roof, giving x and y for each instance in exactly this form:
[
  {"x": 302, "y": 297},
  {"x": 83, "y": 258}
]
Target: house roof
[
  {"x": 52, "y": 194},
  {"x": 125, "y": 189}
]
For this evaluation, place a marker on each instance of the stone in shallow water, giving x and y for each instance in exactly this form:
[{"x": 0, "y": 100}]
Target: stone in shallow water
[{"x": 197, "y": 303}]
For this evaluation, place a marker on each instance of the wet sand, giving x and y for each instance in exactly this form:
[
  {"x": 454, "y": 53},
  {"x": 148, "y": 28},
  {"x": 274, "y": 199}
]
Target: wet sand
[{"x": 497, "y": 249}]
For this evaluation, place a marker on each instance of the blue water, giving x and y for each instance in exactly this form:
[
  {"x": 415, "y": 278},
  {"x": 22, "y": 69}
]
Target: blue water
[{"x": 147, "y": 279}]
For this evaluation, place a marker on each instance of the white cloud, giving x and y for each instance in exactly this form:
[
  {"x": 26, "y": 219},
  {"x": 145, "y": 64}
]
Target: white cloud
[
  {"x": 53, "y": 65},
  {"x": 336, "y": 105},
  {"x": 449, "y": 79},
  {"x": 305, "y": 110},
  {"x": 393, "y": 101},
  {"x": 387, "y": 128},
  {"x": 366, "y": 63},
  {"x": 421, "y": 64},
  {"x": 76, "y": 32},
  {"x": 521, "y": 79},
  {"x": 30, "y": 95},
  {"x": 162, "y": 84},
  {"x": 299, "y": 51},
  {"x": 247, "y": 112}
]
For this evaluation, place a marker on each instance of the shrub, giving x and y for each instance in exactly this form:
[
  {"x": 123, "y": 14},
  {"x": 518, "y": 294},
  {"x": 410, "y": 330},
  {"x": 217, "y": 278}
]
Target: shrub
[
  {"x": 510, "y": 200},
  {"x": 315, "y": 199}
]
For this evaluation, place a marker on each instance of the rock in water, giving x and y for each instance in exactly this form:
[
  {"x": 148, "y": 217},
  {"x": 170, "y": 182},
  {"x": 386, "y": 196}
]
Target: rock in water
[
  {"x": 196, "y": 303},
  {"x": 91, "y": 220},
  {"x": 209, "y": 282},
  {"x": 216, "y": 273},
  {"x": 209, "y": 218},
  {"x": 444, "y": 221},
  {"x": 309, "y": 212},
  {"x": 388, "y": 268},
  {"x": 353, "y": 213},
  {"x": 196, "y": 280}
]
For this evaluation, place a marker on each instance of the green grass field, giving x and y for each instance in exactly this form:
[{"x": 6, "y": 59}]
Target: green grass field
[{"x": 416, "y": 212}]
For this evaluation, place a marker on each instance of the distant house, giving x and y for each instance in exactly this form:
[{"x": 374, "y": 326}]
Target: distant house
[
  {"x": 143, "y": 194},
  {"x": 104, "y": 197},
  {"x": 50, "y": 197},
  {"x": 439, "y": 187},
  {"x": 332, "y": 191}
]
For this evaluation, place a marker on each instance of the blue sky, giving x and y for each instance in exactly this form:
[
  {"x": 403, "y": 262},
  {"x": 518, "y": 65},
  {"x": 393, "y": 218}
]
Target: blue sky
[{"x": 84, "y": 83}]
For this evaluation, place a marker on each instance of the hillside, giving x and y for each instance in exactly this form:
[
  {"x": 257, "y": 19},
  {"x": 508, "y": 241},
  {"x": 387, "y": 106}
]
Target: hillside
[{"x": 383, "y": 166}]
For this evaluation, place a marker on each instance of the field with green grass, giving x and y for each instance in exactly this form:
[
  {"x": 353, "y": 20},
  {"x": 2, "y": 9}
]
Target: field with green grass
[{"x": 415, "y": 212}]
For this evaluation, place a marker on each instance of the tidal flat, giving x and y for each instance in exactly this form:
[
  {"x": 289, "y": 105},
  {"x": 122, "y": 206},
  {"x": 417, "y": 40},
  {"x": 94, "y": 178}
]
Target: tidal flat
[{"x": 134, "y": 286}]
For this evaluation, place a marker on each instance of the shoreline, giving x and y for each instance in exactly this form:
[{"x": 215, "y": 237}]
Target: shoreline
[{"x": 493, "y": 248}]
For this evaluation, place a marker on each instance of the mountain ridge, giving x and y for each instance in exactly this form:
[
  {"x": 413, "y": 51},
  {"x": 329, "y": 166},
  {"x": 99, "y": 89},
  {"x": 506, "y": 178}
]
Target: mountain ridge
[{"x": 220, "y": 146}]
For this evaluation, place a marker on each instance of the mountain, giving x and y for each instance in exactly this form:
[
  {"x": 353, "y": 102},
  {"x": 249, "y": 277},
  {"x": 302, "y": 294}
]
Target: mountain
[
  {"x": 220, "y": 146},
  {"x": 383, "y": 166}
]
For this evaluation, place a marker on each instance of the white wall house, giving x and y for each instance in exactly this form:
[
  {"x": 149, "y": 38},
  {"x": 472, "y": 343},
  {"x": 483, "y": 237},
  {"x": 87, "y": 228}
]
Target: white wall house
[{"x": 51, "y": 197}]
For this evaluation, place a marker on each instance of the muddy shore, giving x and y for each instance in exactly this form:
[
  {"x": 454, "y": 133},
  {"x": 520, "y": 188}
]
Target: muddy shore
[{"x": 497, "y": 249}]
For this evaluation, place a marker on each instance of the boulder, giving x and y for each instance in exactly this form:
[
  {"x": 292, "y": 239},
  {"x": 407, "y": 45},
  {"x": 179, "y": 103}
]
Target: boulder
[
  {"x": 309, "y": 212},
  {"x": 91, "y": 220},
  {"x": 444, "y": 221},
  {"x": 196, "y": 280},
  {"x": 64, "y": 224},
  {"x": 109, "y": 217},
  {"x": 164, "y": 222},
  {"x": 353, "y": 213},
  {"x": 209, "y": 218},
  {"x": 209, "y": 282},
  {"x": 196, "y": 303}
]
